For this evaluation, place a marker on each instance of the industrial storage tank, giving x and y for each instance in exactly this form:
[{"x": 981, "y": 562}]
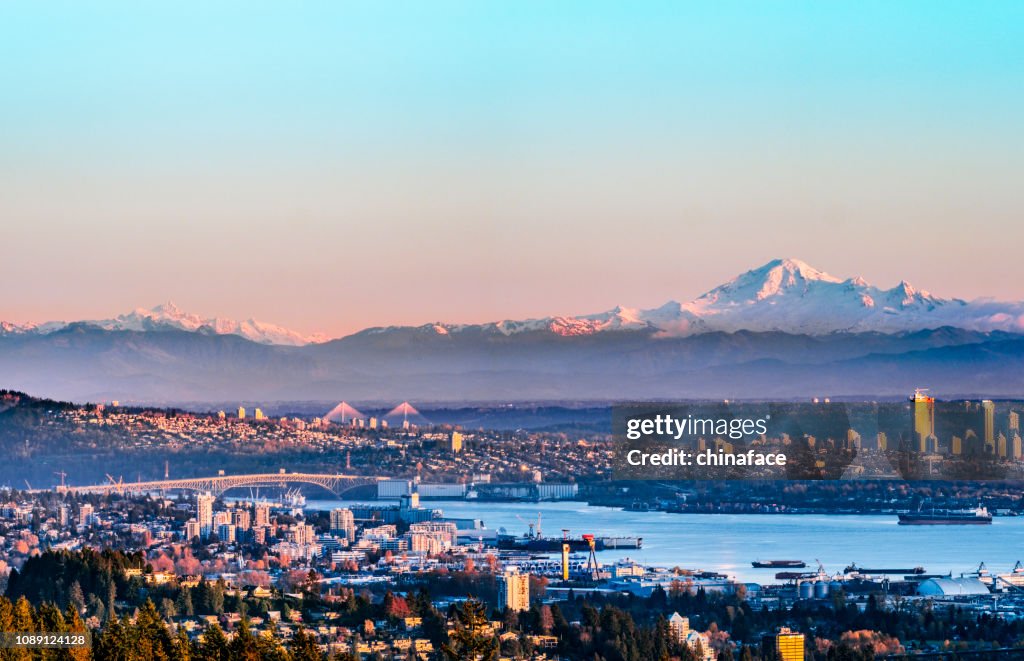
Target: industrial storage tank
[
  {"x": 835, "y": 586},
  {"x": 820, "y": 590},
  {"x": 806, "y": 590}
]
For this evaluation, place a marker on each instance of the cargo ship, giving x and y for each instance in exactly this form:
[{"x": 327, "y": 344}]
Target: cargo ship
[
  {"x": 854, "y": 569},
  {"x": 778, "y": 564},
  {"x": 537, "y": 544},
  {"x": 975, "y": 517}
]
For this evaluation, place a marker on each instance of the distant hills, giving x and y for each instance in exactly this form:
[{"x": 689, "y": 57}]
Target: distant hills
[{"x": 783, "y": 330}]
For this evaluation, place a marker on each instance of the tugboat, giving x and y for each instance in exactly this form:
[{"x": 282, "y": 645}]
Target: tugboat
[{"x": 975, "y": 517}]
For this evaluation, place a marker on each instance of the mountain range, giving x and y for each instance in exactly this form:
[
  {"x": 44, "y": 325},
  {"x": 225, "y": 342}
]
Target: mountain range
[{"x": 782, "y": 330}]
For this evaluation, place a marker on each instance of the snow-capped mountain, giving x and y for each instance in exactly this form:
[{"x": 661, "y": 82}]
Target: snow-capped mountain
[
  {"x": 784, "y": 295},
  {"x": 169, "y": 316},
  {"x": 790, "y": 296},
  {"x": 790, "y": 331}
]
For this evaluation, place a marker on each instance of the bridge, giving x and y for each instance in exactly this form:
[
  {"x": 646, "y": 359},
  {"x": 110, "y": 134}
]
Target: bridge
[{"x": 335, "y": 483}]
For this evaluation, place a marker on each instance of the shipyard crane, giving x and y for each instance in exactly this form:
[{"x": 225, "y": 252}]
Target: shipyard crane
[
  {"x": 119, "y": 483},
  {"x": 533, "y": 527},
  {"x": 595, "y": 574}
]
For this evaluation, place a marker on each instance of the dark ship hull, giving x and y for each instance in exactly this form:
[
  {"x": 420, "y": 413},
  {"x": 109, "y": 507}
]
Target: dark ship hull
[
  {"x": 779, "y": 564},
  {"x": 975, "y": 518}
]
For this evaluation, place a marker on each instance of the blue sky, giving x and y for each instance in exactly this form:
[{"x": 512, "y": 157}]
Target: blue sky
[{"x": 484, "y": 160}]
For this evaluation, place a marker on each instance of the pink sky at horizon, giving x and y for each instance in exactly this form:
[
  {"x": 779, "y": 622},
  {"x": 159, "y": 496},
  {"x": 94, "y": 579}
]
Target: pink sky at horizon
[
  {"x": 361, "y": 164},
  {"x": 412, "y": 315}
]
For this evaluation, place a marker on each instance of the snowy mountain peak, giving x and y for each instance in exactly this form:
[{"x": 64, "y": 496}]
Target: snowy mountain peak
[
  {"x": 778, "y": 277},
  {"x": 165, "y": 313},
  {"x": 791, "y": 296},
  {"x": 168, "y": 316},
  {"x": 784, "y": 295}
]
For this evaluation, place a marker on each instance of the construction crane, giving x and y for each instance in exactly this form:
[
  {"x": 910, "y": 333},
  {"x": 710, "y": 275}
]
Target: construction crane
[
  {"x": 534, "y": 528},
  {"x": 62, "y": 476},
  {"x": 119, "y": 483},
  {"x": 592, "y": 567}
]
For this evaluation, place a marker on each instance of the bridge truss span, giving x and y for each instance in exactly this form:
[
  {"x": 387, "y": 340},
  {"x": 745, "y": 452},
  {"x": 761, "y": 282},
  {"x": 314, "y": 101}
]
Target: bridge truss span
[{"x": 335, "y": 483}]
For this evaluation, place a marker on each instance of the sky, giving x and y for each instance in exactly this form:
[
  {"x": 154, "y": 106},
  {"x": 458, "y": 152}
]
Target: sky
[{"x": 337, "y": 165}]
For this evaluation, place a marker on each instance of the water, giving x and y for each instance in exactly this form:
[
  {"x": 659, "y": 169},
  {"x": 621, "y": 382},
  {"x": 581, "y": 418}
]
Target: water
[{"x": 727, "y": 543}]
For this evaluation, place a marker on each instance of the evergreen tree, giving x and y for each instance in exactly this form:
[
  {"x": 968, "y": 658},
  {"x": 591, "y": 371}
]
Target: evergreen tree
[
  {"x": 243, "y": 646},
  {"x": 471, "y": 641},
  {"x": 181, "y": 647},
  {"x": 269, "y": 646},
  {"x": 183, "y": 604},
  {"x": 303, "y": 647},
  {"x": 214, "y": 646}
]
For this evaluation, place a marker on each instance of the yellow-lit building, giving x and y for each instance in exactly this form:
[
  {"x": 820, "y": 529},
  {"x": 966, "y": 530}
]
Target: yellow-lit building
[
  {"x": 241, "y": 413},
  {"x": 514, "y": 591},
  {"x": 786, "y": 645},
  {"x": 679, "y": 628},
  {"x": 883, "y": 441},
  {"x": 924, "y": 418},
  {"x": 988, "y": 407},
  {"x": 455, "y": 443},
  {"x": 958, "y": 445},
  {"x": 343, "y": 522}
]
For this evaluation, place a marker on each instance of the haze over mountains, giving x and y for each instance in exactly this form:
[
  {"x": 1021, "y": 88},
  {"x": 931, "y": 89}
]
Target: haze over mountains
[{"x": 782, "y": 330}]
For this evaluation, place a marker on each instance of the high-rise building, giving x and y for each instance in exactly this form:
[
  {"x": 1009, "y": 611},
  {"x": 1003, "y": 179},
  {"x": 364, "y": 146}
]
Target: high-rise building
[
  {"x": 1013, "y": 422},
  {"x": 924, "y": 418},
  {"x": 204, "y": 513},
  {"x": 514, "y": 591},
  {"x": 192, "y": 530},
  {"x": 262, "y": 515},
  {"x": 957, "y": 446},
  {"x": 1001, "y": 445},
  {"x": 785, "y": 645},
  {"x": 85, "y": 515},
  {"x": 1015, "y": 448},
  {"x": 883, "y": 441},
  {"x": 988, "y": 407},
  {"x": 241, "y": 413},
  {"x": 343, "y": 523},
  {"x": 373, "y": 423},
  {"x": 678, "y": 628},
  {"x": 455, "y": 443},
  {"x": 226, "y": 533},
  {"x": 242, "y": 519},
  {"x": 259, "y": 414}
]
